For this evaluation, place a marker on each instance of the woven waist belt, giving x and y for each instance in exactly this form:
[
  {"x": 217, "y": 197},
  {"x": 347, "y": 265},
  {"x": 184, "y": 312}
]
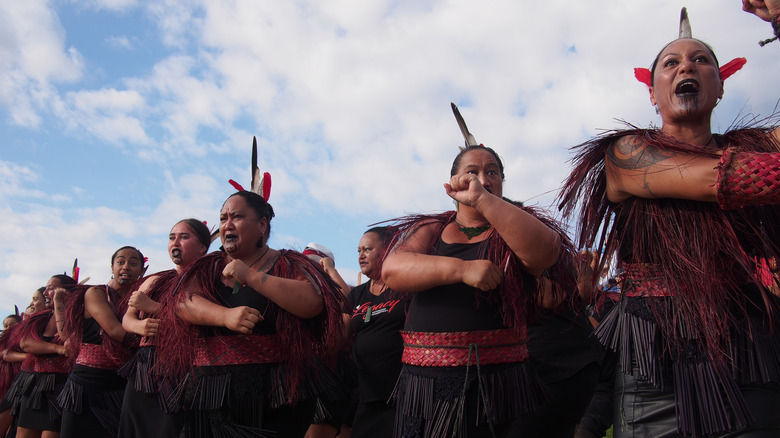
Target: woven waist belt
[
  {"x": 147, "y": 342},
  {"x": 644, "y": 280},
  {"x": 58, "y": 364},
  {"x": 236, "y": 350},
  {"x": 95, "y": 356},
  {"x": 453, "y": 349}
]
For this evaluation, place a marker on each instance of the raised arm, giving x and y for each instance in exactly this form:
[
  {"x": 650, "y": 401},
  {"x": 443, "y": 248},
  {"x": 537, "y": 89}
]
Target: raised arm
[{"x": 536, "y": 245}]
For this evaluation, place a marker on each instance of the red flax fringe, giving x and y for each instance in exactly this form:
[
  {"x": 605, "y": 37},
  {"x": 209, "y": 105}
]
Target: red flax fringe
[
  {"x": 703, "y": 253},
  {"x": 8, "y": 370},
  {"x": 304, "y": 340}
]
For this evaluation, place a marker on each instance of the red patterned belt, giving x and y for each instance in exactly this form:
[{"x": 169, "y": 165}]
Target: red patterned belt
[
  {"x": 58, "y": 364},
  {"x": 147, "y": 341},
  {"x": 95, "y": 356},
  {"x": 453, "y": 349},
  {"x": 644, "y": 280},
  {"x": 236, "y": 350}
]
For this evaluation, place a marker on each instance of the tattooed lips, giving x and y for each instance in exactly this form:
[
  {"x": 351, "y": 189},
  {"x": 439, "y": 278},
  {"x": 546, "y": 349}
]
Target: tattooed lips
[
  {"x": 687, "y": 86},
  {"x": 176, "y": 254}
]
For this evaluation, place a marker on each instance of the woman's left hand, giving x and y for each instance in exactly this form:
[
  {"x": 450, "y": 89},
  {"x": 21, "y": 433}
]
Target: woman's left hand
[{"x": 465, "y": 188}]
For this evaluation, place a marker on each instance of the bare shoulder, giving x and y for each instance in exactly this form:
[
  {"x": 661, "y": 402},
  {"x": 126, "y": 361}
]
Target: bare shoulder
[{"x": 419, "y": 238}]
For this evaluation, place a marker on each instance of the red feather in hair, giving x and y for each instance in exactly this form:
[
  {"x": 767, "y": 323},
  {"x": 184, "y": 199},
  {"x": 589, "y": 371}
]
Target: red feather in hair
[
  {"x": 236, "y": 185},
  {"x": 266, "y": 186},
  {"x": 642, "y": 75},
  {"x": 731, "y": 67}
]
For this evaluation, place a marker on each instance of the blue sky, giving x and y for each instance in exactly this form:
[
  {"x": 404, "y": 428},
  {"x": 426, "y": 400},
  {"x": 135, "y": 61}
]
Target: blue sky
[{"x": 121, "y": 117}]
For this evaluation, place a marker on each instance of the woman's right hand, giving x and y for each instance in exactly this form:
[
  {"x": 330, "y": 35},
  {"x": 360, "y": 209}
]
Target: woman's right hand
[
  {"x": 149, "y": 327},
  {"x": 242, "y": 319},
  {"x": 763, "y": 9},
  {"x": 142, "y": 302},
  {"x": 482, "y": 274}
]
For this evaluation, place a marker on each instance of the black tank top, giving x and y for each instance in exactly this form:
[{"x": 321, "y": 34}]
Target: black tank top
[{"x": 454, "y": 307}]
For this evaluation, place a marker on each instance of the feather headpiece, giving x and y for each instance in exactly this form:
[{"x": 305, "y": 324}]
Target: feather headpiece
[
  {"x": 261, "y": 184},
  {"x": 644, "y": 75},
  {"x": 470, "y": 140}
]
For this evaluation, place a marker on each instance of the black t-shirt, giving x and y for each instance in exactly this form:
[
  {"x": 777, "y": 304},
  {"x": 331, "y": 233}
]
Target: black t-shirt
[
  {"x": 377, "y": 322},
  {"x": 455, "y": 307}
]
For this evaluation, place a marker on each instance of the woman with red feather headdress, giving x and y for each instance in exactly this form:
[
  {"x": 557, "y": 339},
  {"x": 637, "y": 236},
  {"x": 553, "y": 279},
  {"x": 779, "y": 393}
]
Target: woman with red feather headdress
[
  {"x": 688, "y": 213},
  {"x": 247, "y": 323}
]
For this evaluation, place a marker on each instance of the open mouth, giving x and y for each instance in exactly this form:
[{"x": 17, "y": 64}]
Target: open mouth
[
  {"x": 687, "y": 86},
  {"x": 176, "y": 254},
  {"x": 231, "y": 237}
]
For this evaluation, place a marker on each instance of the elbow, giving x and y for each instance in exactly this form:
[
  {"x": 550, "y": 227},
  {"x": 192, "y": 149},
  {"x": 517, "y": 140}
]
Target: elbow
[
  {"x": 117, "y": 334},
  {"x": 390, "y": 275},
  {"x": 24, "y": 344},
  {"x": 312, "y": 309},
  {"x": 545, "y": 259}
]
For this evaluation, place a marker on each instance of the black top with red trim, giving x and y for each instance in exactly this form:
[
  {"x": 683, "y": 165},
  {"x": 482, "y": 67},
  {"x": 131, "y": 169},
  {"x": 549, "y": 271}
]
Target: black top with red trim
[{"x": 377, "y": 322}]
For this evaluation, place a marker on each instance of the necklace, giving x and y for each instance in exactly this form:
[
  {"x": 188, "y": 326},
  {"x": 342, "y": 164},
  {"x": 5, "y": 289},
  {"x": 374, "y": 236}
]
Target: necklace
[
  {"x": 261, "y": 256},
  {"x": 472, "y": 231},
  {"x": 237, "y": 285}
]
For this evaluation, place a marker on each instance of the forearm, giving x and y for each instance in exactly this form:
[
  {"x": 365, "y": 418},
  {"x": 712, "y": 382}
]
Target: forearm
[
  {"x": 14, "y": 356},
  {"x": 414, "y": 272},
  {"x": 197, "y": 310},
  {"x": 131, "y": 323},
  {"x": 536, "y": 245},
  {"x": 333, "y": 273},
  {"x": 298, "y": 297},
  {"x": 37, "y": 346},
  {"x": 59, "y": 317}
]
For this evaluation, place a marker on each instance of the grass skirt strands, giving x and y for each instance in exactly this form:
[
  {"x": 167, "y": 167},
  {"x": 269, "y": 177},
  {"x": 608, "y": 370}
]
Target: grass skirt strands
[{"x": 685, "y": 262}]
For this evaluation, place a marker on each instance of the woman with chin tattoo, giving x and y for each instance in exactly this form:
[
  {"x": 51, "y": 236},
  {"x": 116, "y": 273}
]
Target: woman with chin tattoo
[
  {"x": 247, "y": 323},
  {"x": 92, "y": 398},
  {"x": 692, "y": 216},
  {"x": 146, "y": 411}
]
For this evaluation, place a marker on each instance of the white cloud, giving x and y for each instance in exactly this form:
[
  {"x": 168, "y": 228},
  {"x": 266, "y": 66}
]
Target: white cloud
[
  {"x": 120, "y": 42},
  {"x": 32, "y": 58},
  {"x": 349, "y": 100}
]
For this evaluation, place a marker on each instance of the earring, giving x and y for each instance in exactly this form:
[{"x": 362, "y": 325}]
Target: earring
[
  {"x": 657, "y": 111},
  {"x": 717, "y": 102}
]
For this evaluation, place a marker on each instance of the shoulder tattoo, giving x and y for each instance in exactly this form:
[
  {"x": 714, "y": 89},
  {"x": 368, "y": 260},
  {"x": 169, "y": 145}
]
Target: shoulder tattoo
[{"x": 631, "y": 152}]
